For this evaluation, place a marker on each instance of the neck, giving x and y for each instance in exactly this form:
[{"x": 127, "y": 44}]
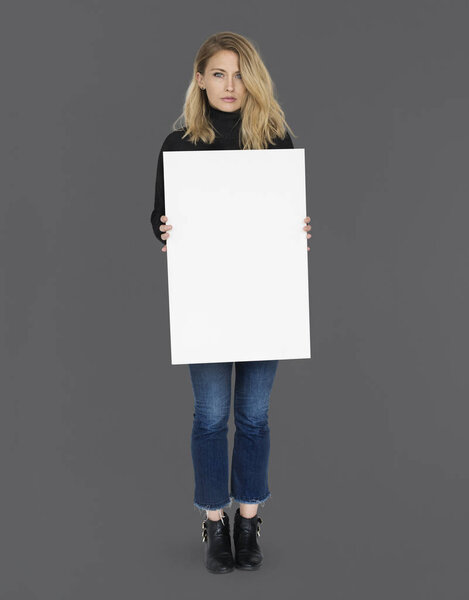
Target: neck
[{"x": 225, "y": 122}]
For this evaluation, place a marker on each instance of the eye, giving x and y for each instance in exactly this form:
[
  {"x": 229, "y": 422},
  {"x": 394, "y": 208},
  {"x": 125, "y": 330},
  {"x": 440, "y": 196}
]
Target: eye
[{"x": 218, "y": 73}]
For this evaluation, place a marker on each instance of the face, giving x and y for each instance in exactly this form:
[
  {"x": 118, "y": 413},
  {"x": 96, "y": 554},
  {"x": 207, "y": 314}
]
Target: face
[{"x": 222, "y": 80}]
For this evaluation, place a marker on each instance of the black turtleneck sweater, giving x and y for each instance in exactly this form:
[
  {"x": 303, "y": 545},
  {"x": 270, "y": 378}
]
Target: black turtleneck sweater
[{"x": 226, "y": 126}]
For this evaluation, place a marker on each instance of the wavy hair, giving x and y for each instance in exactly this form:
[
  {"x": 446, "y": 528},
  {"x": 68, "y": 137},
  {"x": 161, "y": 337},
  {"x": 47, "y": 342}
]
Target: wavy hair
[{"x": 262, "y": 118}]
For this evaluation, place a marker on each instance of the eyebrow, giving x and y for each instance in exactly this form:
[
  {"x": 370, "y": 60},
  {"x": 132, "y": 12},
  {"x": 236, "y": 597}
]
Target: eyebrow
[{"x": 223, "y": 70}]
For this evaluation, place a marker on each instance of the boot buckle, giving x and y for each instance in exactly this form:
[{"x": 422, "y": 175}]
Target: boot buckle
[
  {"x": 259, "y": 521},
  {"x": 204, "y": 531}
]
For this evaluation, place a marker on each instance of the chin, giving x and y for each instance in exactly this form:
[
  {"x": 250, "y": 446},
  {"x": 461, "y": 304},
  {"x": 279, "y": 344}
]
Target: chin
[{"x": 228, "y": 106}]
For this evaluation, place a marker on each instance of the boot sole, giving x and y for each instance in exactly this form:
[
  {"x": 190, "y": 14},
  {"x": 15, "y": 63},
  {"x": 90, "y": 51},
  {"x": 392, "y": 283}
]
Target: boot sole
[
  {"x": 246, "y": 568},
  {"x": 220, "y": 572}
]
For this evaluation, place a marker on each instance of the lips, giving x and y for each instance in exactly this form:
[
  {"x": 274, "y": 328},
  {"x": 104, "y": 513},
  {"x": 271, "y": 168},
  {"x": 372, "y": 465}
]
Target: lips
[{"x": 229, "y": 98}]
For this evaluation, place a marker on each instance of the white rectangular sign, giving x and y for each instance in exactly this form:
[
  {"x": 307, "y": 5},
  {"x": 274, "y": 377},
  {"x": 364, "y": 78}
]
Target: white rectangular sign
[{"x": 237, "y": 255}]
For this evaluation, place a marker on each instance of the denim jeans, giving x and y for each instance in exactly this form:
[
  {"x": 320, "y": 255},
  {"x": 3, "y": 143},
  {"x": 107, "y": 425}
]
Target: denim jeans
[{"x": 211, "y": 383}]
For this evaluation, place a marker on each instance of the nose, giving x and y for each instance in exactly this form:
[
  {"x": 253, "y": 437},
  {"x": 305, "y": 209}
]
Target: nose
[{"x": 229, "y": 85}]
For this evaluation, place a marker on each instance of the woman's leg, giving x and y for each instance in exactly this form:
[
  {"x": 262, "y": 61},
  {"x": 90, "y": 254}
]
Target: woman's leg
[
  {"x": 211, "y": 383},
  {"x": 249, "y": 465}
]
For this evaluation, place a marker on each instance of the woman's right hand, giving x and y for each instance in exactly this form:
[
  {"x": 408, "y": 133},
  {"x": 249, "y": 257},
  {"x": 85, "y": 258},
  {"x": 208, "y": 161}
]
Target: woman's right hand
[{"x": 165, "y": 227}]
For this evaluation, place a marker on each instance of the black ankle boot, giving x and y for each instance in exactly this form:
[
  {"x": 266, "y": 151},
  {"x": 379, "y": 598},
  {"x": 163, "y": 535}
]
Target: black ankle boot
[
  {"x": 248, "y": 555},
  {"x": 218, "y": 555}
]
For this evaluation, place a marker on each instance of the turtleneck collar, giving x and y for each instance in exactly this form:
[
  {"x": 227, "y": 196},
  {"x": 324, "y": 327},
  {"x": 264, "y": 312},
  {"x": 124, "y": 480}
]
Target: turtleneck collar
[{"x": 225, "y": 122}]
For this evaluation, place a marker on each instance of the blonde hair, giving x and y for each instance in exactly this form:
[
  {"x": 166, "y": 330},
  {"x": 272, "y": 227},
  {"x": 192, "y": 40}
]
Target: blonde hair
[{"x": 262, "y": 118}]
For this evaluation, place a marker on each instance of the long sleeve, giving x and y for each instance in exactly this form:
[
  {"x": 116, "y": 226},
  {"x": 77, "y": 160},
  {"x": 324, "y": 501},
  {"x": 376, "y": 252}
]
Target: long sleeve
[{"x": 159, "y": 208}]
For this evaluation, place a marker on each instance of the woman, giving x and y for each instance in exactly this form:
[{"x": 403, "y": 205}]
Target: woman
[{"x": 229, "y": 105}]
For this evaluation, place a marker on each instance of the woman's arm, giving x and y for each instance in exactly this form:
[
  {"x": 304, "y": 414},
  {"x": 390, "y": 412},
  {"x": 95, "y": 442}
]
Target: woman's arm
[{"x": 159, "y": 207}]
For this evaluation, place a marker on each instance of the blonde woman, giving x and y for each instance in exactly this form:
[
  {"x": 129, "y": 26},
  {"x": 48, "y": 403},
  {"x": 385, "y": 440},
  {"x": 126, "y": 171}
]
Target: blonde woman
[{"x": 229, "y": 105}]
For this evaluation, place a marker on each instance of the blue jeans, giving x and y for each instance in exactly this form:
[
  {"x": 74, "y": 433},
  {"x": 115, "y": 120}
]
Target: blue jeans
[{"x": 211, "y": 383}]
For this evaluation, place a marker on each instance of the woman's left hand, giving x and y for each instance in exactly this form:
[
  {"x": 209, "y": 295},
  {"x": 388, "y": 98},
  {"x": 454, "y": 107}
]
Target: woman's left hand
[{"x": 307, "y": 227}]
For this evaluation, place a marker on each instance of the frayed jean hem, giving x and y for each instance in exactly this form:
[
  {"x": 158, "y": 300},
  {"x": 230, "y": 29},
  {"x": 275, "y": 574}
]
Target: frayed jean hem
[
  {"x": 228, "y": 503},
  {"x": 225, "y": 504},
  {"x": 260, "y": 501}
]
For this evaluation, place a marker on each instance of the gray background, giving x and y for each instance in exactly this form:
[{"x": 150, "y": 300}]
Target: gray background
[{"x": 369, "y": 467}]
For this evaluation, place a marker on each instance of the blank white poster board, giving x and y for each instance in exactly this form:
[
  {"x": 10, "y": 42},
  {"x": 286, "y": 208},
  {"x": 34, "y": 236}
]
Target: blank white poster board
[{"x": 237, "y": 255}]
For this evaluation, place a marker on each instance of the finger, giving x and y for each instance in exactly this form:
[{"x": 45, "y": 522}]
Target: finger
[
  {"x": 163, "y": 249},
  {"x": 309, "y": 248},
  {"x": 308, "y": 235},
  {"x": 163, "y": 218}
]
